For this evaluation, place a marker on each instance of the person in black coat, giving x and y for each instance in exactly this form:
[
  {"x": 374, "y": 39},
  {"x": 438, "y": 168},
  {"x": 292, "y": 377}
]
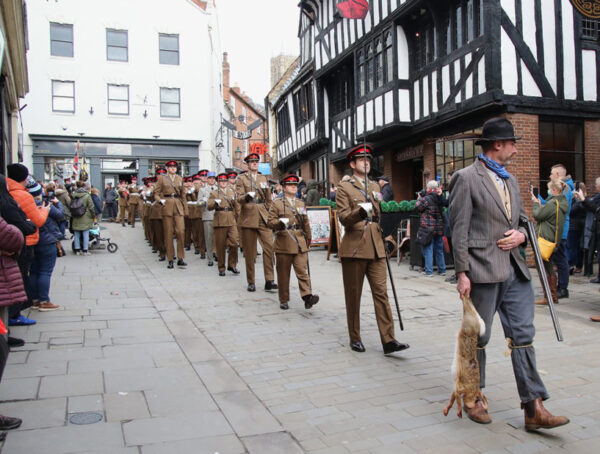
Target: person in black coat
[{"x": 386, "y": 189}]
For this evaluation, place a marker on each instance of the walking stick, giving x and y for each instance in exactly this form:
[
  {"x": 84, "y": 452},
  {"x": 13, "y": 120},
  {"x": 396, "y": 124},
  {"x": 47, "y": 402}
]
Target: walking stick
[
  {"x": 525, "y": 222},
  {"x": 387, "y": 260}
]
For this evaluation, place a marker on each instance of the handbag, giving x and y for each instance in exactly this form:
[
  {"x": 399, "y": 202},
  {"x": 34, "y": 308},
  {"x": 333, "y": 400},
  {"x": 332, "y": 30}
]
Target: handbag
[
  {"x": 547, "y": 247},
  {"x": 424, "y": 235}
]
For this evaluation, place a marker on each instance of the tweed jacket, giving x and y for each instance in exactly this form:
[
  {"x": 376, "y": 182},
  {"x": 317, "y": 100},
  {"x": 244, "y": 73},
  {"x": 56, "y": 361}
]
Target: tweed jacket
[
  {"x": 296, "y": 238},
  {"x": 224, "y": 213},
  {"x": 173, "y": 195},
  {"x": 203, "y": 196},
  {"x": 478, "y": 219},
  {"x": 362, "y": 238},
  {"x": 255, "y": 212}
]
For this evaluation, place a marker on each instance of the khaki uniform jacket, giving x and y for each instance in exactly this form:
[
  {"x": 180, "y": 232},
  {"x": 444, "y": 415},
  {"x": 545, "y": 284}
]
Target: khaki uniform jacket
[
  {"x": 478, "y": 219},
  {"x": 362, "y": 239},
  {"x": 123, "y": 197},
  {"x": 253, "y": 212},
  {"x": 225, "y": 212},
  {"x": 195, "y": 212},
  {"x": 173, "y": 194},
  {"x": 156, "y": 208},
  {"x": 134, "y": 194},
  {"x": 297, "y": 237}
]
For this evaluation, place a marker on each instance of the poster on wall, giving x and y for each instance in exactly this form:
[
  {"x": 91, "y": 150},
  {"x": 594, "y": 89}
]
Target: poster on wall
[{"x": 319, "y": 219}]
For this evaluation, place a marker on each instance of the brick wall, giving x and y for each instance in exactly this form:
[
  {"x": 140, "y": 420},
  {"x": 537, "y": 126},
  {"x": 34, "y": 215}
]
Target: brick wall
[
  {"x": 525, "y": 165},
  {"x": 592, "y": 154},
  {"x": 428, "y": 161}
]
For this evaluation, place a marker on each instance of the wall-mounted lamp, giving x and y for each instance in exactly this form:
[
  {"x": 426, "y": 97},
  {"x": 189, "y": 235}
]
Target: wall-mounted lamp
[{"x": 91, "y": 110}]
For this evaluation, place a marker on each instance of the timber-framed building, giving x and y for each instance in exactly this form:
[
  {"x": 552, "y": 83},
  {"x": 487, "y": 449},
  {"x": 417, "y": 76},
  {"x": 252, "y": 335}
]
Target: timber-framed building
[{"x": 415, "y": 76}]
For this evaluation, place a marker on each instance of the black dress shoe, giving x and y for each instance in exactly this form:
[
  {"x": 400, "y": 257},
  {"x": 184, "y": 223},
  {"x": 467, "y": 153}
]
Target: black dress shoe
[
  {"x": 595, "y": 281},
  {"x": 233, "y": 270},
  {"x": 7, "y": 422},
  {"x": 162, "y": 259},
  {"x": 188, "y": 248},
  {"x": 251, "y": 288},
  {"x": 15, "y": 342},
  {"x": 196, "y": 252},
  {"x": 563, "y": 293},
  {"x": 357, "y": 346},
  {"x": 203, "y": 256},
  {"x": 221, "y": 273},
  {"x": 154, "y": 251},
  {"x": 394, "y": 346},
  {"x": 310, "y": 301},
  {"x": 170, "y": 265},
  {"x": 180, "y": 262},
  {"x": 284, "y": 306},
  {"x": 270, "y": 285},
  {"x": 215, "y": 255},
  {"x": 210, "y": 263}
]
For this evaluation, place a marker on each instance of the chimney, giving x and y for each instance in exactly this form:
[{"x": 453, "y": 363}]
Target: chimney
[{"x": 225, "y": 78}]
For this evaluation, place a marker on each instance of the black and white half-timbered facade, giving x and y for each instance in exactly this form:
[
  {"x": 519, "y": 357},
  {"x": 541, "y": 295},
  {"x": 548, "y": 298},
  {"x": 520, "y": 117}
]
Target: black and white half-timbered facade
[{"x": 414, "y": 76}]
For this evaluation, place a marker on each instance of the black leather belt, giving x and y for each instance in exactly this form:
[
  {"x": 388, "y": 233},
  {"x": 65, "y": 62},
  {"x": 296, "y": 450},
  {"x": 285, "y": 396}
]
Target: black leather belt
[
  {"x": 294, "y": 227},
  {"x": 259, "y": 201},
  {"x": 171, "y": 195},
  {"x": 223, "y": 209}
]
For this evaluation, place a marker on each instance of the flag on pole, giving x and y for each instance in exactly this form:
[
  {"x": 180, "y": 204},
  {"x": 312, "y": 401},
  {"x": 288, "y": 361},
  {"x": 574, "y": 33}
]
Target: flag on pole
[
  {"x": 353, "y": 9},
  {"x": 76, "y": 162}
]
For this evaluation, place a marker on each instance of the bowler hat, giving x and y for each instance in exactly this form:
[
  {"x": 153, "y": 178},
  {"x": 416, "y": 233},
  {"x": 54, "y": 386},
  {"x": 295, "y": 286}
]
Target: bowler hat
[{"x": 497, "y": 129}]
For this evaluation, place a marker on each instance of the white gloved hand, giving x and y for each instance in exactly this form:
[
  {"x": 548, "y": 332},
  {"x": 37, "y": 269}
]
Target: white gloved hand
[
  {"x": 251, "y": 194},
  {"x": 163, "y": 201},
  {"x": 367, "y": 207},
  {"x": 285, "y": 222},
  {"x": 218, "y": 202}
]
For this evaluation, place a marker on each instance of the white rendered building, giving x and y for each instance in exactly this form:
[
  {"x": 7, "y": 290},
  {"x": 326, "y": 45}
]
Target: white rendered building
[{"x": 136, "y": 82}]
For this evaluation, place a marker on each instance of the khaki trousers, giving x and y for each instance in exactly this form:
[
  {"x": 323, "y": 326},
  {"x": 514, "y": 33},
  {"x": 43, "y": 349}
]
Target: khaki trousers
[
  {"x": 197, "y": 229},
  {"x": 225, "y": 237},
  {"x": 188, "y": 232},
  {"x": 284, "y": 264},
  {"x": 265, "y": 236},
  {"x": 122, "y": 213},
  {"x": 132, "y": 210},
  {"x": 174, "y": 224},
  {"x": 158, "y": 237},
  {"x": 353, "y": 272}
]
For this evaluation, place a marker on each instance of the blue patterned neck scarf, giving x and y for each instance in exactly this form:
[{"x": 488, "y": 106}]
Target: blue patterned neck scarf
[{"x": 498, "y": 169}]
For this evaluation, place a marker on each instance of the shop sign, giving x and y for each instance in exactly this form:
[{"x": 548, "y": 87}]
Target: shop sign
[
  {"x": 258, "y": 148},
  {"x": 242, "y": 135},
  {"x": 409, "y": 153},
  {"x": 589, "y": 8},
  {"x": 120, "y": 149}
]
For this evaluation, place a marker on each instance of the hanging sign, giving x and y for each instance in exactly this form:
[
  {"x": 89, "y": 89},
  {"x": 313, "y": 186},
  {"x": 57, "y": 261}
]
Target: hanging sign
[
  {"x": 242, "y": 135},
  {"x": 589, "y": 8}
]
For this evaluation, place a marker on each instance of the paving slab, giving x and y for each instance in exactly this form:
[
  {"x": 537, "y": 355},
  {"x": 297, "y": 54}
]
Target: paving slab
[
  {"x": 224, "y": 444},
  {"x": 71, "y": 385},
  {"x": 37, "y": 413},
  {"x": 273, "y": 443},
  {"x": 125, "y": 406}
]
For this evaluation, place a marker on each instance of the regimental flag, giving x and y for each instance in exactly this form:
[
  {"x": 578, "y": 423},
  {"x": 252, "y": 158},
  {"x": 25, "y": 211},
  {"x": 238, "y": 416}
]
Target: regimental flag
[
  {"x": 83, "y": 175},
  {"x": 76, "y": 161},
  {"x": 353, "y": 9}
]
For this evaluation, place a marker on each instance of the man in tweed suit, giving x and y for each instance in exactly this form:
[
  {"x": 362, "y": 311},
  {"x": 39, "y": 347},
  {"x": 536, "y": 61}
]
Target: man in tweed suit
[{"x": 485, "y": 206}]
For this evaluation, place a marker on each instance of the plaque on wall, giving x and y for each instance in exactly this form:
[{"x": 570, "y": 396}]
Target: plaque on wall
[{"x": 120, "y": 149}]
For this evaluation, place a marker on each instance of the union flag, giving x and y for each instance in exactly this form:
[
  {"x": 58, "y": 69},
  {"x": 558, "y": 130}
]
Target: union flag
[{"x": 353, "y": 9}]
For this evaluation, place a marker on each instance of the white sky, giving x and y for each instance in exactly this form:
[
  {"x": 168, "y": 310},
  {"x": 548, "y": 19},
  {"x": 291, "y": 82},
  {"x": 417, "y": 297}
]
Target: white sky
[{"x": 253, "y": 31}]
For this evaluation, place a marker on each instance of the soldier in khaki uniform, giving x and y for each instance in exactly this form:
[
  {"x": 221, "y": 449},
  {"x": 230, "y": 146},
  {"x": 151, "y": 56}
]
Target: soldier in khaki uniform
[
  {"x": 145, "y": 206},
  {"x": 288, "y": 218},
  {"x": 170, "y": 193},
  {"x": 232, "y": 177},
  {"x": 254, "y": 196},
  {"x": 362, "y": 251},
  {"x": 156, "y": 221},
  {"x": 190, "y": 197},
  {"x": 196, "y": 224},
  {"x": 225, "y": 232},
  {"x": 123, "y": 201},
  {"x": 134, "y": 201}
]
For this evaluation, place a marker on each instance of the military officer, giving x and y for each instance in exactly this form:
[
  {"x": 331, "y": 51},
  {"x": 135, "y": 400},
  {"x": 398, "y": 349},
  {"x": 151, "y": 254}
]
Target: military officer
[
  {"x": 287, "y": 216},
  {"x": 134, "y": 201},
  {"x": 254, "y": 195},
  {"x": 145, "y": 207},
  {"x": 170, "y": 193},
  {"x": 225, "y": 232},
  {"x": 156, "y": 221},
  {"x": 208, "y": 215},
  {"x": 123, "y": 201},
  {"x": 196, "y": 225},
  {"x": 362, "y": 250},
  {"x": 190, "y": 197}
]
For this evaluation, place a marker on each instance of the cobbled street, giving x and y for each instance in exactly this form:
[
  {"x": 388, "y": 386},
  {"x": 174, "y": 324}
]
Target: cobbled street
[{"x": 185, "y": 361}]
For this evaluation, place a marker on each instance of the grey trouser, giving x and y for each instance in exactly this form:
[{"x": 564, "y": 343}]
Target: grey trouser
[
  {"x": 513, "y": 299},
  {"x": 208, "y": 237}
]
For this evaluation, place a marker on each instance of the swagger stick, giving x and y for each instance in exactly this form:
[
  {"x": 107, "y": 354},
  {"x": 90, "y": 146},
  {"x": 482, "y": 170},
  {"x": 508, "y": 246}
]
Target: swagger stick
[{"x": 524, "y": 221}]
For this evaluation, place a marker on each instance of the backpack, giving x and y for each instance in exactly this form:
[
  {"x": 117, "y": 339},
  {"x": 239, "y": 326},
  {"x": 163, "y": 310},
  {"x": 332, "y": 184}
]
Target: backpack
[{"x": 77, "y": 207}]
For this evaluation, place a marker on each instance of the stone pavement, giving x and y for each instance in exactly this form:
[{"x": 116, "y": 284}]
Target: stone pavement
[{"x": 185, "y": 361}]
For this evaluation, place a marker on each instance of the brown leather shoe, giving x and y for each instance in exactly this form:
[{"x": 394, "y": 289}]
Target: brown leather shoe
[
  {"x": 542, "y": 302},
  {"x": 595, "y": 318},
  {"x": 537, "y": 417},
  {"x": 478, "y": 412}
]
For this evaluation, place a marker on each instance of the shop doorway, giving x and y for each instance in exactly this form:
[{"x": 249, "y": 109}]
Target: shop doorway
[{"x": 407, "y": 179}]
